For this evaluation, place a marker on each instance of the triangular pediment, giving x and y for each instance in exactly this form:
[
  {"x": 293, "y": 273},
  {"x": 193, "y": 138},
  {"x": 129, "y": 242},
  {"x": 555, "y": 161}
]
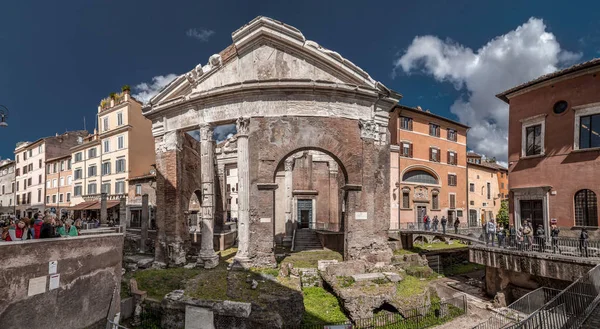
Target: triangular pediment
[{"x": 266, "y": 50}]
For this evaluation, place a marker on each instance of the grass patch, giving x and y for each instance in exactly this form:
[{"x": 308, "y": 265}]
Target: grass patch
[
  {"x": 411, "y": 286},
  {"x": 404, "y": 252},
  {"x": 345, "y": 281},
  {"x": 439, "y": 246},
  {"x": 159, "y": 282},
  {"x": 309, "y": 259},
  {"x": 321, "y": 306},
  {"x": 272, "y": 271},
  {"x": 458, "y": 269}
]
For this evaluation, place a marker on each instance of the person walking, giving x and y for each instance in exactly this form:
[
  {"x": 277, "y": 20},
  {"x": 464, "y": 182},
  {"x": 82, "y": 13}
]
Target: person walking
[
  {"x": 37, "y": 226},
  {"x": 491, "y": 232},
  {"x": 444, "y": 222},
  {"x": 554, "y": 231},
  {"x": 520, "y": 238},
  {"x": 426, "y": 222},
  {"x": 436, "y": 221},
  {"x": 540, "y": 237},
  {"x": 583, "y": 242},
  {"x": 512, "y": 236},
  {"x": 501, "y": 236},
  {"x": 17, "y": 232},
  {"x": 528, "y": 234},
  {"x": 456, "y": 224}
]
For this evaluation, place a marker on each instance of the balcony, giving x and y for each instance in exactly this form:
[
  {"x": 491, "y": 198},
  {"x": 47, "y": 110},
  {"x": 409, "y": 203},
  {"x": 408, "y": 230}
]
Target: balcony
[{"x": 97, "y": 197}]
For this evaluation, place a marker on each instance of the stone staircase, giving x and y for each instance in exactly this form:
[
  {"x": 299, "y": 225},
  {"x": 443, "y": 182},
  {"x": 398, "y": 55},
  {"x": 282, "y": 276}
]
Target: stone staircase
[{"x": 306, "y": 239}]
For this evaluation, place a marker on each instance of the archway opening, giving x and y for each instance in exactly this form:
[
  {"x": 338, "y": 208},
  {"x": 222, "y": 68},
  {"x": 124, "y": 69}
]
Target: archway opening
[
  {"x": 193, "y": 211},
  {"x": 385, "y": 308}
]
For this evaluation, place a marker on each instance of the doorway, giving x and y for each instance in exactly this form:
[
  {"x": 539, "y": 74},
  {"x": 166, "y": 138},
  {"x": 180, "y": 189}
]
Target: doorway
[
  {"x": 534, "y": 210},
  {"x": 304, "y": 213},
  {"x": 473, "y": 218},
  {"x": 420, "y": 212}
]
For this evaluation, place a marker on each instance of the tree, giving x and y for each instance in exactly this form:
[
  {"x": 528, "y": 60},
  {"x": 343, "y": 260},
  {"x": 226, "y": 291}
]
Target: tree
[
  {"x": 502, "y": 217},
  {"x": 491, "y": 160}
]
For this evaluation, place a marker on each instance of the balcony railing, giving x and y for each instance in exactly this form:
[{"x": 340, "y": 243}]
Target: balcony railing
[{"x": 97, "y": 197}]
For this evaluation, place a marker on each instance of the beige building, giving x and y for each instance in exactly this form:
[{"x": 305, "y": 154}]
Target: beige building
[
  {"x": 7, "y": 188},
  {"x": 59, "y": 184},
  {"x": 122, "y": 148},
  {"x": 484, "y": 191}
]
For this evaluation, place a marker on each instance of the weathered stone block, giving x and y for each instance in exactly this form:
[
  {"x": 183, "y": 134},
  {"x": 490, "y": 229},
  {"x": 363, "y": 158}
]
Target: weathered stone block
[
  {"x": 368, "y": 277},
  {"x": 323, "y": 264}
]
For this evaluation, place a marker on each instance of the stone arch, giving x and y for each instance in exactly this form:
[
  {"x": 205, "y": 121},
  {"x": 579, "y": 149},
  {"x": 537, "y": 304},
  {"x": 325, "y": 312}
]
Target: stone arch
[
  {"x": 427, "y": 169},
  {"x": 421, "y": 239},
  {"x": 439, "y": 238}
]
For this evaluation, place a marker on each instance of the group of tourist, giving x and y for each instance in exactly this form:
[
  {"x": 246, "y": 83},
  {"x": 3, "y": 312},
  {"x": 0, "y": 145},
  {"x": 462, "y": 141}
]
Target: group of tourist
[
  {"x": 432, "y": 224},
  {"x": 528, "y": 239},
  {"x": 39, "y": 227}
]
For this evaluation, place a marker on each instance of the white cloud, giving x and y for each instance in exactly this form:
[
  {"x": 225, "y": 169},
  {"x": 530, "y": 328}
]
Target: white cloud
[
  {"x": 223, "y": 132},
  {"x": 145, "y": 91},
  {"x": 201, "y": 34},
  {"x": 504, "y": 62}
]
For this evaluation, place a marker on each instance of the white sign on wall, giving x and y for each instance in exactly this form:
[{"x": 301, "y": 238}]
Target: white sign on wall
[
  {"x": 37, "y": 286},
  {"x": 54, "y": 281},
  {"x": 265, "y": 220},
  {"x": 360, "y": 215},
  {"x": 52, "y": 267}
]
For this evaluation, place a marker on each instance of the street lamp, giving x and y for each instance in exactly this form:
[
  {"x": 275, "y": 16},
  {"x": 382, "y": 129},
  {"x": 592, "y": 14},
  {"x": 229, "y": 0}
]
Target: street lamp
[{"x": 3, "y": 116}]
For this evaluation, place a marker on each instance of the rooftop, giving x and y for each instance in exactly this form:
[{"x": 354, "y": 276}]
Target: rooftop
[
  {"x": 489, "y": 165},
  {"x": 433, "y": 115},
  {"x": 575, "y": 68}
]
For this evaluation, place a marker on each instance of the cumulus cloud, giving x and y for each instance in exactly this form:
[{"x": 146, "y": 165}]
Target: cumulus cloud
[
  {"x": 223, "y": 132},
  {"x": 200, "y": 34},
  {"x": 504, "y": 62},
  {"x": 145, "y": 91}
]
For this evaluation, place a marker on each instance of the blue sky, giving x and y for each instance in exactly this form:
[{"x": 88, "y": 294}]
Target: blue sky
[{"x": 59, "y": 59}]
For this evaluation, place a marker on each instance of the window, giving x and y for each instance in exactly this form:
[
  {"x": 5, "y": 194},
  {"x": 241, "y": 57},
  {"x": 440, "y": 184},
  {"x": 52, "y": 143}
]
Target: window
[
  {"x": 405, "y": 198},
  {"x": 24, "y": 155},
  {"x": 106, "y": 168},
  {"x": 91, "y": 188},
  {"x": 69, "y": 180},
  {"x": 24, "y": 184},
  {"x": 106, "y": 145},
  {"x": 30, "y": 167},
  {"x": 17, "y": 158},
  {"x": 60, "y": 198},
  {"x": 17, "y": 172},
  {"x": 69, "y": 164},
  {"x": 77, "y": 190},
  {"x": 406, "y": 150},
  {"x": 92, "y": 153},
  {"x": 452, "y": 201},
  {"x": 55, "y": 167},
  {"x": 2, "y": 189},
  {"x": 471, "y": 187},
  {"x": 419, "y": 176},
  {"x": 105, "y": 188},
  {"x": 92, "y": 171},
  {"x": 47, "y": 199},
  {"x": 452, "y": 158},
  {"x": 586, "y": 209},
  {"x": 452, "y": 135},
  {"x": 54, "y": 198},
  {"x": 29, "y": 181},
  {"x": 68, "y": 197},
  {"x": 30, "y": 153},
  {"x": 18, "y": 199},
  {"x": 24, "y": 170},
  {"x": 78, "y": 173},
  {"x": 501, "y": 175},
  {"x": 62, "y": 166},
  {"x": 451, "y": 180},
  {"x": 229, "y": 187},
  {"x": 120, "y": 187},
  {"x": 105, "y": 123},
  {"x": 489, "y": 190},
  {"x": 459, "y": 213},
  {"x": 17, "y": 186},
  {"x": 501, "y": 185},
  {"x": 40, "y": 164},
  {"x": 589, "y": 131},
  {"x": 138, "y": 189},
  {"x": 40, "y": 149},
  {"x": 120, "y": 119},
  {"x": 120, "y": 142},
  {"x": 533, "y": 144},
  {"x": 120, "y": 165},
  {"x": 472, "y": 202},
  {"x": 434, "y": 154},
  {"x": 435, "y": 201},
  {"x": 39, "y": 179},
  {"x": 54, "y": 182},
  {"x": 434, "y": 130},
  {"x": 406, "y": 123},
  {"x": 77, "y": 156},
  {"x": 62, "y": 181}
]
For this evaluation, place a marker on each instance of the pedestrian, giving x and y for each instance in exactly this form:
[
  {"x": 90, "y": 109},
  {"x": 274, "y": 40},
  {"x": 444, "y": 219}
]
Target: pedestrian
[
  {"x": 501, "y": 236},
  {"x": 47, "y": 229},
  {"x": 456, "y": 224},
  {"x": 528, "y": 234},
  {"x": 512, "y": 236},
  {"x": 5, "y": 235},
  {"x": 444, "y": 222},
  {"x": 436, "y": 221},
  {"x": 37, "y": 225},
  {"x": 427, "y": 223},
  {"x": 17, "y": 232},
  {"x": 491, "y": 232},
  {"x": 583, "y": 242},
  {"x": 72, "y": 230},
  {"x": 520, "y": 238},
  {"x": 540, "y": 237},
  {"x": 554, "y": 231},
  {"x": 60, "y": 228}
]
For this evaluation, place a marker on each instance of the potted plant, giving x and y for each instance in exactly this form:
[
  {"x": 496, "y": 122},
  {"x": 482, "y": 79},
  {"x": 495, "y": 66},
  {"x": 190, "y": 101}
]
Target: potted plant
[
  {"x": 112, "y": 96},
  {"x": 104, "y": 103},
  {"x": 126, "y": 89}
]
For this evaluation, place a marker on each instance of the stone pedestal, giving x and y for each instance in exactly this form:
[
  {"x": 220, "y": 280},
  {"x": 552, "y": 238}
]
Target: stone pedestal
[
  {"x": 123, "y": 213},
  {"x": 242, "y": 257},
  {"x": 207, "y": 257},
  {"x": 144, "y": 223},
  {"x": 103, "y": 210}
]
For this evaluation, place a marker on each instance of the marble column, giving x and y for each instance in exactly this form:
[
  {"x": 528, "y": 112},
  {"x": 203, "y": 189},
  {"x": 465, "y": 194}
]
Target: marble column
[
  {"x": 223, "y": 185},
  {"x": 103, "y": 210},
  {"x": 144, "y": 223},
  {"x": 243, "y": 167},
  {"x": 123, "y": 214},
  {"x": 289, "y": 225},
  {"x": 333, "y": 197},
  {"x": 207, "y": 256}
]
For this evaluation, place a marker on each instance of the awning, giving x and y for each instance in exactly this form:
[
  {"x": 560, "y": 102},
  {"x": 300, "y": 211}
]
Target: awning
[
  {"x": 83, "y": 205},
  {"x": 97, "y": 205}
]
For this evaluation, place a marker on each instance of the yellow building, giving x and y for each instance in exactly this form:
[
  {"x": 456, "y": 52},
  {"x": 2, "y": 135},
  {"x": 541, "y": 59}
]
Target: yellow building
[
  {"x": 122, "y": 148},
  {"x": 484, "y": 192}
]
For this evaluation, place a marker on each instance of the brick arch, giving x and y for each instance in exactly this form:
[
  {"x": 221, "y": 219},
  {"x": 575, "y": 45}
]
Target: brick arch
[
  {"x": 341, "y": 166},
  {"x": 421, "y": 167}
]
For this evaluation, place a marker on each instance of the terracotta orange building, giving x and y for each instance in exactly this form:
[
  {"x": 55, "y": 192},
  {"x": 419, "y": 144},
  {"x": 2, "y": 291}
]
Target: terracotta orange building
[
  {"x": 554, "y": 148},
  {"x": 428, "y": 167}
]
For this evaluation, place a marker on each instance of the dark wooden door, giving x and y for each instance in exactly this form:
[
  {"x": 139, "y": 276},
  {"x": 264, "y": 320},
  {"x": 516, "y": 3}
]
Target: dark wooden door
[{"x": 532, "y": 210}]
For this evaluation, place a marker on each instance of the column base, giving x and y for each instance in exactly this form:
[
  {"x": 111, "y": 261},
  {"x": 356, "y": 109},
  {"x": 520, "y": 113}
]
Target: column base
[
  {"x": 208, "y": 260},
  {"x": 240, "y": 263}
]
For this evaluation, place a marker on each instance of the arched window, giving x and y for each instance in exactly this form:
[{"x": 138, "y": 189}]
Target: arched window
[
  {"x": 419, "y": 176},
  {"x": 586, "y": 209}
]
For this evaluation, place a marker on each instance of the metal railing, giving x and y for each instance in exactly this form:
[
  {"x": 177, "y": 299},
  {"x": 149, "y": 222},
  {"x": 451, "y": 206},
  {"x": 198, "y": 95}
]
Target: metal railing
[
  {"x": 563, "y": 246},
  {"x": 420, "y": 226},
  {"x": 568, "y": 309}
]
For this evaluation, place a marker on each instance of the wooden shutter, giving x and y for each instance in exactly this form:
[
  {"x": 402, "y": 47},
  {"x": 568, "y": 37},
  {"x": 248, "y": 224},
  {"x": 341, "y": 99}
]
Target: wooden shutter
[
  {"x": 410, "y": 124},
  {"x": 430, "y": 154},
  {"x": 410, "y": 149},
  {"x": 448, "y": 155},
  {"x": 449, "y": 180},
  {"x": 452, "y": 201}
]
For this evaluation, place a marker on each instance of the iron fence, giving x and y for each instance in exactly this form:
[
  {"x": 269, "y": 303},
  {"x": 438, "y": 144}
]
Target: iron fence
[
  {"x": 532, "y": 301},
  {"x": 558, "y": 245},
  {"x": 420, "y": 226},
  {"x": 568, "y": 309}
]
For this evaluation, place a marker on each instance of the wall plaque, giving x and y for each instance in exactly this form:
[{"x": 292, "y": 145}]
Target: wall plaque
[{"x": 360, "y": 215}]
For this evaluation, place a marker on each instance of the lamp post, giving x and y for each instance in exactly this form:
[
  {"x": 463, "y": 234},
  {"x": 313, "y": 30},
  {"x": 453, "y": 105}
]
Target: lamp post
[{"x": 3, "y": 116}]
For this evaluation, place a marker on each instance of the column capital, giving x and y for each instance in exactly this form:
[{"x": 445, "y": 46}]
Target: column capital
[
  {"x": 206, "y": 132},
  {"x": 289, "y": 164},
  {"x": 243, "y": 126}
]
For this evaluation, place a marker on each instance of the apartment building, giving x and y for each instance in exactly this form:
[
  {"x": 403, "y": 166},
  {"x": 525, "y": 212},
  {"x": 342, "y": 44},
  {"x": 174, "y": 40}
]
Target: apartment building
[
  {"x": 138, "y": 186},
  {"x": 30, "y": 172},
  {"x": 553, "y": 143},
  {"x": 59, "y": 184},
  {"x": 123, "y": 147},
  {"x": 428, "y": 167},
  {"x": 7, "y": 188},
  {"x": 484, "y": 191}
]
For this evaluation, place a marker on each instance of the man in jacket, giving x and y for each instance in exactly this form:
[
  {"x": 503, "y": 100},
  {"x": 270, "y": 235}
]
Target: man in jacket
[{"x": 491, "y": 232}]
